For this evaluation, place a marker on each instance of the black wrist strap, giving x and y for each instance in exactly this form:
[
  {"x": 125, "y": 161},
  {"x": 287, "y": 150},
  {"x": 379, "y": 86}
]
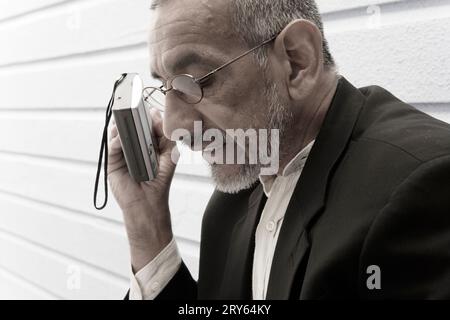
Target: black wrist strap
[{"x": 104, "y": 149}]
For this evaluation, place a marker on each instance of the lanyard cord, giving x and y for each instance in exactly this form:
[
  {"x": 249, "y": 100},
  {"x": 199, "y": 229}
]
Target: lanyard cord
[{"x": 104, "y": 149}]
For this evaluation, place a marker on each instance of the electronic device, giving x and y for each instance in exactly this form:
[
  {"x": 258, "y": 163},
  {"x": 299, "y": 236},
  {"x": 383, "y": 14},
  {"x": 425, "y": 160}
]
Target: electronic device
[{"x": 134, "y": 125}]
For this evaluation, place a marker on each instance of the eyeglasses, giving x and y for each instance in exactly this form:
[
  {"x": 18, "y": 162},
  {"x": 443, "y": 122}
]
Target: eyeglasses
[{"x": 188, "y": 88}]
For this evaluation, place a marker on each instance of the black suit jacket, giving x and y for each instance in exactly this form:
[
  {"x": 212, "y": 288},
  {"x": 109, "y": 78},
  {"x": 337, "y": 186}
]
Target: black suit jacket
[{"x": 374, "y": 191}]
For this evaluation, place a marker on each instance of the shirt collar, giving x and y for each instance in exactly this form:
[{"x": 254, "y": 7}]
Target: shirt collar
[{"x": 294, "y": 166}]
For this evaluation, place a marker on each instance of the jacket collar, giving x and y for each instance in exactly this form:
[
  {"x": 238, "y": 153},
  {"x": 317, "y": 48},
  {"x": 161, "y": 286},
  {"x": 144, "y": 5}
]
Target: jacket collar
[
  {"x": 306, "y": 203},
  {"x": 309, "y": 195},
  {"x": 295, "y": 165},
  {"x": 237, "y": 282}
]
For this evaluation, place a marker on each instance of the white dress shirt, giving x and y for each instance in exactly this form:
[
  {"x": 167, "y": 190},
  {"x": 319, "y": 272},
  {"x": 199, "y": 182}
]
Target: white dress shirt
[{"x": 151, "y": 280}]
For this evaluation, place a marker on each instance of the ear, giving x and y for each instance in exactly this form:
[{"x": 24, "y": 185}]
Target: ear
[{"x": 300, "y": 46}]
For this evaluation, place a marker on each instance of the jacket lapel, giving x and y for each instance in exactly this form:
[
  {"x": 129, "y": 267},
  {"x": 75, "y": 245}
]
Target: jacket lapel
[
  {"x": 309, "y": 195},
  {"x": 237, "y": 282}
]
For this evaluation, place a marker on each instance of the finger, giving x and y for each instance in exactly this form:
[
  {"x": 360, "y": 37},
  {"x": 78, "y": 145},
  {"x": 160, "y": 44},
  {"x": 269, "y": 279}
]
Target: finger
[
  {"x": 113, "y": 132},
  {"x": 116, "y": 159},
  {"x": 115, "y": 143},
  {"x": 115, "y": 163},
  {"x": 115, "y": 147},
  {"x": 157, "y": 122}
]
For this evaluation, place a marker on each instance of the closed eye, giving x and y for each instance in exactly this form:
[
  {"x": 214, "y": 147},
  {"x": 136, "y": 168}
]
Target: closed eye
[
  {"x": 162, "y": 82},
  {"x": 156, "y": 75},
  {"x": 160, "y": 79}
]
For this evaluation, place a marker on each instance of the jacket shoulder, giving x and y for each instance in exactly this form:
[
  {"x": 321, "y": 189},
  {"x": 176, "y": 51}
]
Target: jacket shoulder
[{"x": 388, "y": 120}]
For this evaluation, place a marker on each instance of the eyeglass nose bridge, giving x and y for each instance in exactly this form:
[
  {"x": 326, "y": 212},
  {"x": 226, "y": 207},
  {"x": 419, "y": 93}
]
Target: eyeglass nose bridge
[
  {"x": 148, "y": 91},
  {"x": 168, "y": 86},
  {"x": 164, "y": 90}
]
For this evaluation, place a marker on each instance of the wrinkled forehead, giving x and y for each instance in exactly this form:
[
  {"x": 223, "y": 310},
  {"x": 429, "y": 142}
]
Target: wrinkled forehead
[{"x": 201, "y": 26}]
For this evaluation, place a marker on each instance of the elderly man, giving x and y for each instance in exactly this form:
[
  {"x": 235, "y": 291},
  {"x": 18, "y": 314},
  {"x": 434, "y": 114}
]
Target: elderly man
[{"x": 360, "y": 205}]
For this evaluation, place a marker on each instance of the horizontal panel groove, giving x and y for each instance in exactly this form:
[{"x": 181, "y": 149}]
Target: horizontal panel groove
[
  {"x": 75, "y": 217},
  {"x": 94, "y": 114},
  {"x": 111, "y": 221},
  {"x": 442, "y": 105},
  {"x": 48, "y": 160},
  {"x": 72, "y": 187},
  {"x": 28, "y": 13},
  {"x": 378, "y": 18},
  {"x": 93, "y": 117},
  {"x": 38, "y": 111},
  {"x": 387, "y": 7},
  {"x": 125, "y": 49},
  {"x": 328, "y": 10},
  {"x": 40, "y": 203},
  {"x": 115, "y": 277},
  {"x": 26, "y": 282},
  {"x": 113, "y": 225}
]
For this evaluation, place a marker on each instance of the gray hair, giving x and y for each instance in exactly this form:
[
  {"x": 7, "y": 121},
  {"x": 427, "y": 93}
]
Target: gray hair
[{"x": 255, "y": 21}]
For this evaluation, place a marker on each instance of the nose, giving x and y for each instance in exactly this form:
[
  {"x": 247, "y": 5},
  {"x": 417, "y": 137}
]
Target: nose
[{"x": 179, "y": 116}]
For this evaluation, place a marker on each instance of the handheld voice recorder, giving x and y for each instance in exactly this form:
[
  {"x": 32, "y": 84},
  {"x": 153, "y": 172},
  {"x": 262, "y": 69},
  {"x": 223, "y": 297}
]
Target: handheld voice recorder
[{"x": 134, "y": 125}]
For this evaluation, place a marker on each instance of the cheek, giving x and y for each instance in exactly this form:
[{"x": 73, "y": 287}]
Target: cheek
[
  {"x": 235, "y": 107},
  {"x": 218, "y": 114},
  {"x": 167, "y": 127}
]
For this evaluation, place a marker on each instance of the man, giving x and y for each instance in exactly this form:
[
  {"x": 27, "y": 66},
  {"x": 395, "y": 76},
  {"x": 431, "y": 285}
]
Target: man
[{"x": 360, "y": 206}]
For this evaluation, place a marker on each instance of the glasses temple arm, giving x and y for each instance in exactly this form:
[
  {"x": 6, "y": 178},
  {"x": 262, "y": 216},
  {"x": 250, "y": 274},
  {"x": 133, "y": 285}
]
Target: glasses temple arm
[{"x": 235, "y": 59}]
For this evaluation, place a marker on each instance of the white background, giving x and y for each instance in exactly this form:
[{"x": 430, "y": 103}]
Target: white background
[{"x": 58, "y": 61}]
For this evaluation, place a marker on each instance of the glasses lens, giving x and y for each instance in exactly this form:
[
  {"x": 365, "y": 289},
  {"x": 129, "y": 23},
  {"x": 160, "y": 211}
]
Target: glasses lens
[
  {"x": 154, "y": 98},
  {"x": 187, "y": 89}
]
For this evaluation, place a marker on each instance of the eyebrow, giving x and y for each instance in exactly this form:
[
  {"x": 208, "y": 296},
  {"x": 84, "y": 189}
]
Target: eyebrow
[{"x": 186, "y": 60}]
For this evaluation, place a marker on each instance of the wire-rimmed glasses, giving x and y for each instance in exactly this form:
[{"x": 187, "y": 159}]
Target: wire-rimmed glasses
[{"x": 188, "y": 88}]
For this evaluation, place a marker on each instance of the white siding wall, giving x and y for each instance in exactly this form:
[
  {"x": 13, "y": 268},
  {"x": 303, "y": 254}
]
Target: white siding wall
[{"x": 58, "y": 60}]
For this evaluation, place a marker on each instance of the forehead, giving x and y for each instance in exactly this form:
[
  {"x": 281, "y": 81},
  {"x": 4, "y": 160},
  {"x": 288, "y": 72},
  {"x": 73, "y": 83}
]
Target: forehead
[{"x": 186, "y": 26}]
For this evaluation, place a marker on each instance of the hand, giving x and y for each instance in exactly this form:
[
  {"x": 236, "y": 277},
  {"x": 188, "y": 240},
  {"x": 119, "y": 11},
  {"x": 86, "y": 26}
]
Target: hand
[{"x": 145, "y": 205}]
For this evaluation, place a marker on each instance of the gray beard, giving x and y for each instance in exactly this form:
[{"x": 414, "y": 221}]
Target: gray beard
[{"x": 279, "y": 117}]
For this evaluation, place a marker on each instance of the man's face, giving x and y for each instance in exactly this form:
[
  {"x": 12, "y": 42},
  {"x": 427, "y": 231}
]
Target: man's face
[{"x": 194, "y": 37}]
